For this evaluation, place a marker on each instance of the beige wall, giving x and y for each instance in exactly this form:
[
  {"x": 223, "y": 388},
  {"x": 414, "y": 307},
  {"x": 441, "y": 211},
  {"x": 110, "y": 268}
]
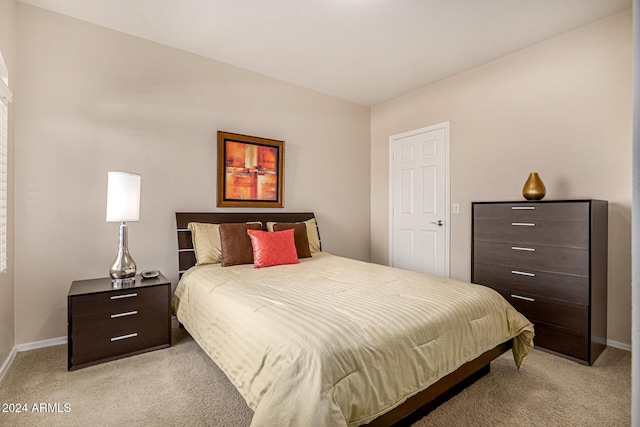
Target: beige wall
[
  {"x": 8, "y": 30},
  {"x": 561, "y": 108},
  {"x": 94, "y": 100}
]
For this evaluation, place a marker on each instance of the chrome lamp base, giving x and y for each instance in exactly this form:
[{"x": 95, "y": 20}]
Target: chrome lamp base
[
  {"x": 122, "y": 283},
  {"x": 123, "y": 268}
]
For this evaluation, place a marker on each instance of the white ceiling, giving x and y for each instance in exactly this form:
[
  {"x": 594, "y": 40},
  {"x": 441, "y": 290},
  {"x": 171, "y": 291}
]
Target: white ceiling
[{"x": 366, "y": 51}]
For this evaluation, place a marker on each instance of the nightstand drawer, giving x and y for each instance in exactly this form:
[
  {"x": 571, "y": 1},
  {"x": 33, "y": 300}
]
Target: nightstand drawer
[
  {"x": 573, "y": 317},
  {"x": 542, "y": 258},
  {"x": 119, "y": 321},
  {"x": 106, "y": 324},
  {"x": 129, "y": 341},
  {"x": 559, "y": 286},
  {"x": 119, "y": 301}
]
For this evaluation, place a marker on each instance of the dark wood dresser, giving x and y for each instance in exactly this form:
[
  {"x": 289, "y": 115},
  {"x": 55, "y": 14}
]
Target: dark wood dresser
[
  {"x": 106, "y": 323},
  {"x": 549, "y": 260}
]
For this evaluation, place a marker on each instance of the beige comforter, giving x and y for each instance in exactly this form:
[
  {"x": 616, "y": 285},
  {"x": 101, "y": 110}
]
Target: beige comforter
[{"x": 335, "y": 342}]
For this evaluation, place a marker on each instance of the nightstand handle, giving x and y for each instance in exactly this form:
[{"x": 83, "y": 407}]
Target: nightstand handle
[
  {"x": 128, "y": 313},
  {"x": 122, "y": 337},
  {"x": 518, "y": 248},
  {"x": 523, "y": 224},
  {"x": 523, "y": 208},
  {"x": 522, "y": 298},
  {"x": 522, "y": 273},
  {"x": 124, "y": 296}
]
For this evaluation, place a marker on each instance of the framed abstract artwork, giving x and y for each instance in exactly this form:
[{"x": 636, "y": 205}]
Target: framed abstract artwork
[{"x": 250, "y": 171}]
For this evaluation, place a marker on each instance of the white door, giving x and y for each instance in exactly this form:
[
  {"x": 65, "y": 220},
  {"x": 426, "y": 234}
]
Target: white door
[{"x": 419, "y": 194}]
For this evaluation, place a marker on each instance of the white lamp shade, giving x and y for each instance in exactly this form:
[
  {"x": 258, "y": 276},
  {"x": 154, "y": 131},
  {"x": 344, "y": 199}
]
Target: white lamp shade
[{"x": 123, "y": 197}]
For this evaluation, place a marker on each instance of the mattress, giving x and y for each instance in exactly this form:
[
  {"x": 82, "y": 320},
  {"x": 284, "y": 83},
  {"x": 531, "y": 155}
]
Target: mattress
[{"x": 334, "y": 341}]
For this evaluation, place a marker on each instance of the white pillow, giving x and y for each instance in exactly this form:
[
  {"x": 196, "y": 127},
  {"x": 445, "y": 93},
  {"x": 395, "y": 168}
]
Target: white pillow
[{"x": 206, "y": 242}]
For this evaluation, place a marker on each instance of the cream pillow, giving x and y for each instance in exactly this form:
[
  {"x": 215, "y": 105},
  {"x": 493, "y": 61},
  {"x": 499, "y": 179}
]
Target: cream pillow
[
  {"x": 206, "y": 242},
  {"x": 312, "y": 234}
]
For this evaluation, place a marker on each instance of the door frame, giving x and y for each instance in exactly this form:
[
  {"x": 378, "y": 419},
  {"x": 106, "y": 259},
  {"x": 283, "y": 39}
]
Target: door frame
[{"x": 447, "y": 189}]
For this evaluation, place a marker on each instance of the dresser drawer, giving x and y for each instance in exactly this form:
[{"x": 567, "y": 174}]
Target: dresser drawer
[
  {"x": 573, "y": 234},
  {"x": 558, "y": 286},
  {"x": 104, "y": 347},
  {"x": 574, "y": 317},
  {"x": 119, "y": 301},
  {"x": 561, "y": 340},
  {"x": 119, "y": 322},
  {"x": 544, "y": 258},
  {"x": 531, "y": 211}
]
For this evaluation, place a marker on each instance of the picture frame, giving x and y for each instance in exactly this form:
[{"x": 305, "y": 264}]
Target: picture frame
[{"x": 250, "y": 171}]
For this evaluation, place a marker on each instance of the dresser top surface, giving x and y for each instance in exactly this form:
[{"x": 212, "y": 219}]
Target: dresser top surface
[{"x": 539, "y": 201}]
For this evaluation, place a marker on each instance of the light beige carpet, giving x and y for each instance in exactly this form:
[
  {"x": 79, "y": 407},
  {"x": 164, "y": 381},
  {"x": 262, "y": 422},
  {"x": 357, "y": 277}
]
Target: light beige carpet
[{"x": 181, "y": 386}]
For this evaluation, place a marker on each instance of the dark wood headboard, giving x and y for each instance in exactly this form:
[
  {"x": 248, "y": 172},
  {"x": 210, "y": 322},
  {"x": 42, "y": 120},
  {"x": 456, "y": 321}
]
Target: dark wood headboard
[{"x": 186, "y": 255}]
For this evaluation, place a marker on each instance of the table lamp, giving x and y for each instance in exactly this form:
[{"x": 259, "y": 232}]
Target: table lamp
[{"x": 123, "y": 204}]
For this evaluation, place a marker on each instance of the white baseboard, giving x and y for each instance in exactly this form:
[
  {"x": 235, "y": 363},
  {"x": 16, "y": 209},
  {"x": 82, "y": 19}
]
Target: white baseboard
[
  {"x": 41, "y": 344},
  {"x": 7, "y": 363},
  {"x": 620, "y": 345}
]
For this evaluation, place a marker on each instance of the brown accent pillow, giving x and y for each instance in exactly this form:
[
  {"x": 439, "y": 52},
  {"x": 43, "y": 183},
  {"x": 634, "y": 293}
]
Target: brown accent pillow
[
  {"x": 236, "y": 244},
  {"x": 299, "y": 235}
]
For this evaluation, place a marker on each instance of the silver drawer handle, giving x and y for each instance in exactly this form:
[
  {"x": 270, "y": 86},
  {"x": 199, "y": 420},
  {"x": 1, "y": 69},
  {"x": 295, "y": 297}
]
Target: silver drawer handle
[
  {"x": 522, "y": 298},
  {"x": 517, "y": 248},
  {"x": 522, "y": 273},
  {"x": 124, "y": 296},
  {"x": 128, "y": 313},
  {"x": 523, "y": 208},
  {"x": 523, "y": 224},
  {"x": 124, "y": 337}
]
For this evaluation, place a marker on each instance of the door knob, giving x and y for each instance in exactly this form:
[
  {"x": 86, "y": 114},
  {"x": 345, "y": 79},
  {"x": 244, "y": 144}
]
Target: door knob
[{"x": 439, "y": 223}]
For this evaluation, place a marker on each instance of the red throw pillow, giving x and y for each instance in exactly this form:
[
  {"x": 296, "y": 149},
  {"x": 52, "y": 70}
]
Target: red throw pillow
[{"x": 275, "y": 248}]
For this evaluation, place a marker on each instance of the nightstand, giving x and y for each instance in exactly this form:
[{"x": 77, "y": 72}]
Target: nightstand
[{"x": 106, "y": 324}]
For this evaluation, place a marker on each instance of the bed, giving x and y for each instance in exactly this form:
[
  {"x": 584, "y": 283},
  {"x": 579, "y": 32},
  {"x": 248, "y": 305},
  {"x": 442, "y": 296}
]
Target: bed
[{"x": 331, "y": 341}]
